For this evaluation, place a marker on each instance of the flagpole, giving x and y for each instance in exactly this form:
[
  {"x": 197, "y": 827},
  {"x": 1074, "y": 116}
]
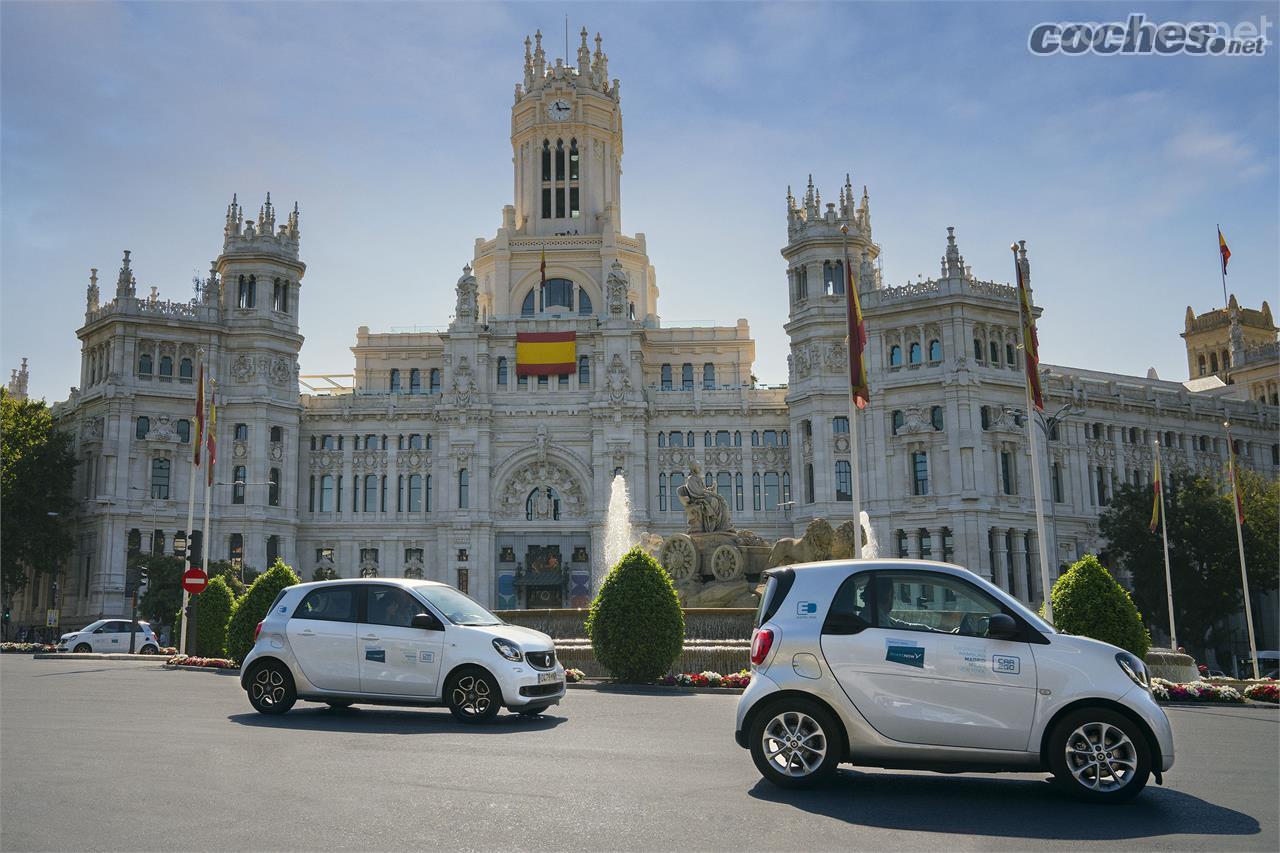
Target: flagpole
[
  {"x": 1164, "y": 532},
  {"x": 207, "y": 544},
  {"x": 855, "y": 474},
  {"x": 1244, "y": 575},
  {"x": 191, "y": 502},
  {"x": 1045, "y": 587}
]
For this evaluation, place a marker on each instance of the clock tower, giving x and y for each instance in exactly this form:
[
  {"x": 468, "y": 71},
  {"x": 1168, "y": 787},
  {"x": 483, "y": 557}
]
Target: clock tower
[{"x": 566, "y": 136}]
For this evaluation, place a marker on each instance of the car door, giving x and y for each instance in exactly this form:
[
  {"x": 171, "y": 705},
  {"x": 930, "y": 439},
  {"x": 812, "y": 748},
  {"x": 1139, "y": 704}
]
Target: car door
[
  {"x": 909, "y": 649},
  {"x": 111, "y": 637},
  {"x": 322, "y": 634},
  {"x": 396, "y": 658}
]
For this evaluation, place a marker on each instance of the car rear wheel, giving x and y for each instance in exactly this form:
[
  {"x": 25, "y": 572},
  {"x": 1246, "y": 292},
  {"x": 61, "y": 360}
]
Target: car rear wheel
[
  {"x": 147, "y": 650},
  {"x": 795, "y": 743},
  {"x": 1099, "y": 755},
  {"x": 83, "y": 649},
  {"x": 473, "y": 696},
  {"x": 271, "y": 689}
]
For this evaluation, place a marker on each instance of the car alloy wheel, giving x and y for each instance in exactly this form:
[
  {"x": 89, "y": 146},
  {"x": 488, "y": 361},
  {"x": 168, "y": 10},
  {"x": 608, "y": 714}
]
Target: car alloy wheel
[
  {"x": 271, "y": 689},
  {"x": 83, "y": 649},
  {"x": 1100, "y": 755},
  {"x": 147, "y": 650},
  {"x": 474, "y": 697},
  {"x": 795, "y": 743}
]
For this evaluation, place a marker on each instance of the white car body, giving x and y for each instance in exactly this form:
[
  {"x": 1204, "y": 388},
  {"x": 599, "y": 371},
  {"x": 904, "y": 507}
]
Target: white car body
[
  {"x": 111, "y": 636},
  {"x": 343, "y": 662},
  {"x": 909, "y": 696}
]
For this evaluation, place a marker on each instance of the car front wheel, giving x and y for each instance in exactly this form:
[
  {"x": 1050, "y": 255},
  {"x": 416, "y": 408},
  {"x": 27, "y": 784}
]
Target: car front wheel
[
  {"x": 795, "y": 743},
  {"x": 1099, "y": 755},
  {"x": 147, "y": 650},
  {"x": 271, "y": 689},
  {"x": 83, "y": 649},
  {"x": 473, "y": 696}
]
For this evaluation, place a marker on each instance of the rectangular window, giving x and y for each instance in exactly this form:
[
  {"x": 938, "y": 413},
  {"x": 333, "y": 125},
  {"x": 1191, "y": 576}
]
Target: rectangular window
[
  {"x": 160, "y": 479},
  {"x": 326, "y": 493},
  {"x": 574, "y": 211},
  {"x": 772, "y": 490},
  {"x": 546, "y": 202},
  {"x": 840, "y": 425},
  {"x": 1006, "y": 473},
  {"x": 737, "y": 487},
  {"x": 559, "y": 202},
  {"x": 464, "y": 489},
  {"x": 844, "y": 481},
  {"x": 920, "y": 473},
  {"x": 662, "y": 493},
  {"x": 371, "y": 493},
  {"x": 415, "y": 493},
  {"x": 238, "y": 478},
  {"x": 724, "y": 485}
]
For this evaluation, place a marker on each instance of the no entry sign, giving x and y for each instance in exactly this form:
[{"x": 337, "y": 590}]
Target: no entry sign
[{"x": 194, "y": 581}]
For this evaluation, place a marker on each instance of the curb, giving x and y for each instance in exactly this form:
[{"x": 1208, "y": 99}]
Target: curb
[
  {"x": 1248, "y": 703},
  {"x": 214, "y": 669},
  {"x": 94, "y": 656},
  {"x": 652, "y": 689}
]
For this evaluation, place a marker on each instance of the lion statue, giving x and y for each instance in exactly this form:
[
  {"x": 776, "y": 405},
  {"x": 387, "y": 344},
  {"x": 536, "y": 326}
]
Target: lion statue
[
  {"x": 846, "y": 545},
  {"x": 813, "y": 546}
]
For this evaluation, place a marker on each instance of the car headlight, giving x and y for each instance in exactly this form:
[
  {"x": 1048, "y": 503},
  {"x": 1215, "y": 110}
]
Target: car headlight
[
  {"x": 1134, "y": 668},
  {"x": 508, "y": 649}
]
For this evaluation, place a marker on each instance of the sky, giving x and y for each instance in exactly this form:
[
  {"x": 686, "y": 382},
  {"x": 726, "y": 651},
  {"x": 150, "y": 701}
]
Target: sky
[{"x": 129, "y": 126}]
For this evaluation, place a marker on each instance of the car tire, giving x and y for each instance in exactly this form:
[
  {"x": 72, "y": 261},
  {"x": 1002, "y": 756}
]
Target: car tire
[
  {"x": 1099, "y": 755},
  {"x": 148, "y": 650},
  {"x": 795, "y": 743},
  {"x": 339, "y": 704},
  {"x": 83, "y": 649},
  {"x": 271, "y": 689},
  {"x": 473, "y": 695}
]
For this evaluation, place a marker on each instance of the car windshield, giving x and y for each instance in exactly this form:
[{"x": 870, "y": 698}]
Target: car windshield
[{"x": 458, "y": 607}]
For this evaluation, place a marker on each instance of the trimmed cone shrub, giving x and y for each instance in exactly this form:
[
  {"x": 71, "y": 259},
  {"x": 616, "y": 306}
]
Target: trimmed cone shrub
[
  {"x": 1088, "y": 602},
  {"x": 252, "y": 607},
  {"x": 213, "y": 612},
  {"x": 635, "y": 624}
]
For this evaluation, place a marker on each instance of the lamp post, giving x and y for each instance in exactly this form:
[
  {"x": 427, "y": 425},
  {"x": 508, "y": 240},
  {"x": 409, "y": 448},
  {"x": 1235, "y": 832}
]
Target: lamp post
[{"x": 1048, "y": 424}]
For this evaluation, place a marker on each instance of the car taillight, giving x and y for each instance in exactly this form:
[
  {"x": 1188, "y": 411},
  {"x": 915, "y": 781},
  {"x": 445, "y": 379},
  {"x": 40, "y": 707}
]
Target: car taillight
[
  {"x": 256, "y": 632},
  {"x": 761, "y": 643}
]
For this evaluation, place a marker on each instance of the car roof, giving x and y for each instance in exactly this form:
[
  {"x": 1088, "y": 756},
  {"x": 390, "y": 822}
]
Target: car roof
[
  {"x": 403, "y": 582},
  {"x": 888, "y": 563}
]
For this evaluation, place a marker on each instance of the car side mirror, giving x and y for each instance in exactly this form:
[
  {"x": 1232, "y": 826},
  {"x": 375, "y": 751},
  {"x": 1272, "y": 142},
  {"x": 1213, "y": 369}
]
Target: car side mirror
[
  {"x": 427, "y": 622},
  {"x": 1002, "y": 627}
]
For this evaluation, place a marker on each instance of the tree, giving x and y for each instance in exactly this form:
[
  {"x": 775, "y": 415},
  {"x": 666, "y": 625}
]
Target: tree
[
  {"x": 163, "y": 597},
  {"x": 1204, "y": 559},
  {"x": 635, "y": 624},
  {"x": 37, "y": 468},
  {"x": 1088, "y": 602},
  {"x": 252, "y": 607},
  {"x": 213, "y": 612}
]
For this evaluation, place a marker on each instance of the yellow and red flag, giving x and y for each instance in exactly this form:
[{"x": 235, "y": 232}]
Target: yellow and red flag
[
  {"x": 542, "y": 267},
  {"x": 1155, "y": 509},
  {"x": 1030, "y": 342},
  {"x": 858, "y": 385},
  {"x": 546, "y": 353},
  {"x": 1223, "y": 250},
  {"x": 213, "y": 433},
  {"x": 199, "y": 437}
]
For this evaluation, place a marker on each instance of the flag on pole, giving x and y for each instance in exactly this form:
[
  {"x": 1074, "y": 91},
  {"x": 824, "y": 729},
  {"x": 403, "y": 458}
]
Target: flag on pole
[
  {"x": 858, "y": 384},
  {"x": 1223, "y": 250},
  {"x": 1235, "y": 486},
  {"x": 542, "y": 267},
  {"x": 546, "y": 353},
  {"x": 213, "y": 433},
  {"x": 199, "y": 438},
  {"x": 1030, "y": 343},
  {"x": 1155, "y": 508}
]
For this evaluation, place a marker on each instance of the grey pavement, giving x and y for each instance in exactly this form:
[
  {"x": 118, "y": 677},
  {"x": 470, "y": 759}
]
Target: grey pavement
[{"x": 128, "y": 756}]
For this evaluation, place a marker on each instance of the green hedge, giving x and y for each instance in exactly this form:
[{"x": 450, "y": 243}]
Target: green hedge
[
  {"x": 212, "y": 613},
  {"x": 251, "y": 608},
  {"x": 635, "y": 624},
  {"x": 1088, "y": 602}
]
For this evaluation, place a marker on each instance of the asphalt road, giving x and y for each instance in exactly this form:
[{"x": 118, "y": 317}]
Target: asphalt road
[{"x": 125, "y": 756}]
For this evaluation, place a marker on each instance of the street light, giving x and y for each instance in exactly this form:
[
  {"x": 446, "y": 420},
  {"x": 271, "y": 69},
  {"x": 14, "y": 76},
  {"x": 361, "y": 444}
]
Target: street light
[{"x": 1048, "y": 424}]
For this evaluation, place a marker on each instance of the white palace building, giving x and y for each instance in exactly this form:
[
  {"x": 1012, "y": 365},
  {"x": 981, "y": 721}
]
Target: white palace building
[{"x": 439, "y": 456}]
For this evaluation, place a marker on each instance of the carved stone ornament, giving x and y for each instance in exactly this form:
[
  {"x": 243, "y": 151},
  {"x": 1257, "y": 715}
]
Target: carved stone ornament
[
  {"x": 540, "y": 475},
  {"x": 326, "y": 460},
  {"x": 916, "y": 421},
  {"x": 239, "y": 449},
  {"x": 616, "y": 290},
  {"x": 468, "y": 304},
  {"x": 464, "y": 383},
  {"x": 618, "y": 382},
  {"x": 162, "y": 430},
  {"x": 91, "y": 430},
  {"x": 282, "y": 370},
  {"x": 242, "y": 368}
]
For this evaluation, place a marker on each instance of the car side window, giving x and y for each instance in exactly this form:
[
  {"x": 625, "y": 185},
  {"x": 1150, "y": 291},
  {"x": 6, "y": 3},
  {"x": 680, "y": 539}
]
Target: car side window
[
  {"x": 331, "y": 603},
  {"x": 851, "y": 606},
  {"x": 388, "y": 605},
  {"x": 104, "y": 628},
  {"x": 935, "y": 603}
]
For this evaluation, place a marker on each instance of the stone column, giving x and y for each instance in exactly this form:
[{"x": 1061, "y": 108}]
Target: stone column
[
  {"x": 1001, "y": 560},
  {"x": 913, "y": 543},
  {"x": 1018, "y": 570},
  {"x": 935, "y": 543}
]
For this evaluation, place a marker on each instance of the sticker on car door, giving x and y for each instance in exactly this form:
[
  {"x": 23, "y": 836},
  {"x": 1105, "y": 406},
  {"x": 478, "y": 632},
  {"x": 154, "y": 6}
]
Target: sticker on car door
[
  {"x": 1006, "y": 664},
  {"x": 906, "y": 652},
  {"x": 376, "y": 655}
]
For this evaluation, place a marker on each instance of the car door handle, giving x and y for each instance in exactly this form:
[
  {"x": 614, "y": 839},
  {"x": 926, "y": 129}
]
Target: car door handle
[
  {"x": 307, "y": 633},
  {"x": 370, "y": 637}
]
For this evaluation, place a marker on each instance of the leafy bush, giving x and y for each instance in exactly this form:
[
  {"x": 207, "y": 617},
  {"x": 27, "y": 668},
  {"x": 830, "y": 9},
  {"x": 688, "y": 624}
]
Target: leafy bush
[
  {"x": 251, "y": 608},
  {"x": 635, "y": 624},
  {"x": 212, "y": 613},
  {"x": 1088, "y": 602}
]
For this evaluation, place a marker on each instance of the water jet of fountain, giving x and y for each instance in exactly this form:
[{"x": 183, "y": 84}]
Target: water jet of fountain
[
  {"x": 871, "y": 549},
  {"x": 618, "y": 535}
]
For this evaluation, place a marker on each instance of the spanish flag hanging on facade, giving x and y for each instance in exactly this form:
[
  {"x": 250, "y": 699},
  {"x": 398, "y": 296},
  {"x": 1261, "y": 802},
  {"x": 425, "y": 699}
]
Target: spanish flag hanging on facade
[
  {"x": 857, "y": 328},
  {"x": 546, "y": 353}
]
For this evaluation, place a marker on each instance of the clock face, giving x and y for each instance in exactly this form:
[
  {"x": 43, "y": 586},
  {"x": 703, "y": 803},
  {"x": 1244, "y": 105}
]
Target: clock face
[{"x": 559, "y": 110}]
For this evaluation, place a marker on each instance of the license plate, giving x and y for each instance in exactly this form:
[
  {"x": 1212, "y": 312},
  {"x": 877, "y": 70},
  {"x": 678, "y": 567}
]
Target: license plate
[{"x": 548, "y": 678}]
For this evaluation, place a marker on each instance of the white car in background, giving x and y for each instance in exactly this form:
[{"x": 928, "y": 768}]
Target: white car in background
[
  {"x": 395, "y": 641},
  {"x": 110, "y": 636}
]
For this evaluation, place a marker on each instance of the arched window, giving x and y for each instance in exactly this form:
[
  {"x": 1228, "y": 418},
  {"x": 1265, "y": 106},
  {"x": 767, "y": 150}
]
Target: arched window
[
  {"x": 1226, "y": 360},
  {"x": 706, "y": 441},
  {"x": 688, "y": 439},
  {"x": 895, "y": 356},
  {"x": 370, "y": 493},
  {"x": 662, "y": 439},
  {"x": 464, "y": 488},
  {"x": 141, "y": 427},
  {"x": 724, "y": 487},
  {"x": 772, "y": 490},
  {"x": 802, "y": 283},
  {"x": 837, "y": 282},
  {"x": 144, "y": 365},
  {"x": 241, "y": 433},
  {"x": 686, "y": 377},
  {"x": 737, "y": 438},
  {"x": 546, "y": 164},
  {"x": 415, "y": 381},
  {"x": 542, "y": 503},
  {"x": 1213, "y": 362},
  {"x": 666, "y": 377},
  {"x": 527, "y": 307},
  {"x": 844, "y": 481},
  {"x": 828, "y": 277},
  {"x": 573, "y": 159},
  {"x": 395, "y": 380},
  {"x": 273, "y": 487},
  {"x": 1200, "y": 361},
  {"x": 708, "y": 376},
  {"x": 273, "y": 549},
  {"x": 755, "y": 491},
  {"x": 247, "y": 293},
  {"x": 560, "y": 160},
  {"x": 755, "y": 438},
  {"x": 935, "y": 350},
  {"x": 238, "y": 477},
  {"x": 584, "y": 300},
  {"x": 166, "y": 367},
  {"x": 786, "y": 486},
  {"x": 434, "y": 379},
  {"x": 995, "y": 352},
  {"x": 914, "y": 353},
  {"x": 1009, "y": 357},
  {"x": 502, "y": 371},
  {"x": 977, "y": 350},
  {"x": 584, "y": 371},
  {"x": 160, "y": 479},
  {"x": 986, "y": 417},
  {"x": 737, "y": 491},
  {"x": 935, "y": 417},
  {"x": 898, "y": 420},
  {"x": 557, "y": 294},
  {"x": 280, "y": 296},
  {"x": 326, "y": 493},
  {"x": 184, "y": 431},
  {"x": 184, "y": 370}
]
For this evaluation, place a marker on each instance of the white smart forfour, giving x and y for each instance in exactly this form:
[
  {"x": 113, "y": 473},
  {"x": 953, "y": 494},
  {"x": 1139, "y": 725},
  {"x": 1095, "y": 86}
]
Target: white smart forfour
[
  {"x": 391, "y": 641},
  {"x": 920, "y": 665}
]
